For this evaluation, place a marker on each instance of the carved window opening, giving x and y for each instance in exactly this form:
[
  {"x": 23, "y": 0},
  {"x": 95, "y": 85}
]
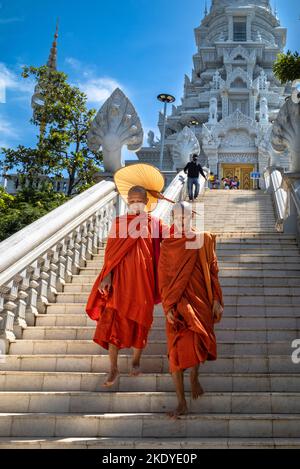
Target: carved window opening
[
  {"x": 239, "y": 29},
  {"x": 238, "y": 83}
]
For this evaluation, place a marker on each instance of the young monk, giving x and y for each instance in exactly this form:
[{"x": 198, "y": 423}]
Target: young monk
[
  {"x": 192, "y": 301},
  {"x": 124, "y": 294}
]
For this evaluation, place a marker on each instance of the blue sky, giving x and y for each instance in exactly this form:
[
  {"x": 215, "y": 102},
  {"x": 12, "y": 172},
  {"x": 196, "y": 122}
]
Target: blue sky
[{"x": 145, "y": 47}]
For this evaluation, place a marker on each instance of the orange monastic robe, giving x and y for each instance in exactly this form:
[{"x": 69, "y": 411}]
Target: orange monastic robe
[
  {"x": 124, "y": 315},
  {"x": 189, "y": 284}
]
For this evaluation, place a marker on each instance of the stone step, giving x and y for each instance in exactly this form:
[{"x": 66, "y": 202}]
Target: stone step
[
  {"x": 222, "y": 333},
  {"x": 278, "y": 291},
  {"x": 149, "y": 425},
  {"x": 242, "y": 310},
  {"x": 149, "y": 443},
  {"x": 280, "y": 262},
  {"x": 76, "y": 402},
  {"x": 263, "y": 347},
  {"x": 246, "y": 256},
  {"x": 243, "y": 253},
  {"x": 237, "y": 322},
  {"x": 264, "y": 272},
  {"x": 47, "y": 381},
  {"x": 241, "y": 299},
  {"x": 257, "y": 241},
  {"x": 268, "y": 270},
  {"x": 233, "y": 280},
  {"x": 238, "y": 363},
  {"x": 234, "y": 237}
]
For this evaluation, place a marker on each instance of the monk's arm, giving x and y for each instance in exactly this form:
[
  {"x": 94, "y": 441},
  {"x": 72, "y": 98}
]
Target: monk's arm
[{"x": 216, "y": 287}]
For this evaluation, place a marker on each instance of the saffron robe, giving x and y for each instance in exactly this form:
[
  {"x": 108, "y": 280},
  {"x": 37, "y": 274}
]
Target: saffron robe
[
  {"x": 125, "y": 314},
  {"x": 189, "y": 284}
]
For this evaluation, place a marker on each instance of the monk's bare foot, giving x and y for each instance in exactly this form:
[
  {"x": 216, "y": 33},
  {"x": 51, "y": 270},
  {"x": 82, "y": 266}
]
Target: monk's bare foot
[
  {"x": 182, "y": 409},
  {"x": 111, "y": 378},
  {"x": 136, "y": 369},
  {"x": 196, "y": 388}
]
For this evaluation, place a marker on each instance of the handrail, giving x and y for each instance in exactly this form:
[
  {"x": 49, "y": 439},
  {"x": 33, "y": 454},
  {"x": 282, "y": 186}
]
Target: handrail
[
  {"x": 32, "y": 241},
  {"x": 285, "y": 190},
  {"x": 36, "y": 262}
]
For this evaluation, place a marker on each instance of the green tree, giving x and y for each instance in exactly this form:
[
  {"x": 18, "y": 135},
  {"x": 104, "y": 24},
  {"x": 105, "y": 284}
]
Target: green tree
[
  {"x": 64, "y": 120},
  {"x": 287, "y": 67},
  {"x": 27, "y": 206}
]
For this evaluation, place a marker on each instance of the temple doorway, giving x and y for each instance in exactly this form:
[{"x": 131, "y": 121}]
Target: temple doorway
[{"x": 242, "y": 171}]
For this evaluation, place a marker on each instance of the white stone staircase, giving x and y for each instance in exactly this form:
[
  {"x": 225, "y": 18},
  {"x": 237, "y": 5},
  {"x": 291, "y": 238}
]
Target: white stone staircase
[{"x": 50, "y": 383}]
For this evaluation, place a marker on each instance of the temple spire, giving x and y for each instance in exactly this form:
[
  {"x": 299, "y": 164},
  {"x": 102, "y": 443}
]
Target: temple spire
[
  {"x": 275, "y": 11},
  {"x": 52, "y": 61}
]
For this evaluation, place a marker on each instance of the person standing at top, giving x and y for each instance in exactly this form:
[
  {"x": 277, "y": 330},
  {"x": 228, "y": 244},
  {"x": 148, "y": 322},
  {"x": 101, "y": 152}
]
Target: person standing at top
[
  {"x": 193, "y": 169},
  {"x": 211, "y": 180}
]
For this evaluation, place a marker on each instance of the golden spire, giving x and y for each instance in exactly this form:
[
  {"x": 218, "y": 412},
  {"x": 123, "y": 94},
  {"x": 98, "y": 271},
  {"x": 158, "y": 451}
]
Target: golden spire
[{"x": 52, "y": 61}]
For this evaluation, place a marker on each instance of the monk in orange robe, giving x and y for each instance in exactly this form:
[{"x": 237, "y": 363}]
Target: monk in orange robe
[
  {"x": 124, "y": 294},
  {"x": 192, "y": 300}
]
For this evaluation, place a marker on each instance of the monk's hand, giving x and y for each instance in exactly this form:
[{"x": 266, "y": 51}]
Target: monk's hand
[
  {"x": 170, "y": 316},
  {"x": 217, "y": 311},
  {"x": 105, "y": 284}
]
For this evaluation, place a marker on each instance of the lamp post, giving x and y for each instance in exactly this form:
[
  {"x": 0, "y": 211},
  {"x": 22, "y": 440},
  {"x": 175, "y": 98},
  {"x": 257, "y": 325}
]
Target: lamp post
[{"x": 166, "y": 99}]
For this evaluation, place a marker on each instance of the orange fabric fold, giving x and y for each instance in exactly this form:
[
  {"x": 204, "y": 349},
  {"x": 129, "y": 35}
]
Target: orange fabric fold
[
  {"x": 189, "y": 284},
  {"x": 125, "y": 314}
]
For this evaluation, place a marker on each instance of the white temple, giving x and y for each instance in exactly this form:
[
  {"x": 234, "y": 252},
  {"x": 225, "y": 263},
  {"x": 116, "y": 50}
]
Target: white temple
[{"x": 232, "y": 94}]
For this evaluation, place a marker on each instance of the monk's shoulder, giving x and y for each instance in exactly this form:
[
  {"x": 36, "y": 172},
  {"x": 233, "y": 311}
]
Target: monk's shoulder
[{"x": 207, "y": 234}]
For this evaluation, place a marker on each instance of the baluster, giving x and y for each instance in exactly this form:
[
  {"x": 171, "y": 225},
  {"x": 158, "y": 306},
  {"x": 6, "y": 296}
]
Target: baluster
[
  {"x": 83, "y": 243},
  {"x": 20, "y": 315},
  {"x": 52, "y": 285},
  {"x": 76, "y": 252},
  {"x": 90, "y": 237},
  {"x": 62, "y": 261},
  {"x": 99, "y": 228},
  {"x": 9, "y": 294},
  {"x": 42, "y": 299},
  {"x": 33, "y": 271},
  {"x": 69, "y": 258}
]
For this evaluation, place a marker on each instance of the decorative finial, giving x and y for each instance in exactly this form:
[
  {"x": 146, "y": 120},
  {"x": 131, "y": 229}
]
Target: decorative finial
[
  {"x": 205, "y": 10},
  {"x": 275, "y": 10},
  {"x": 52, "y": 61}
]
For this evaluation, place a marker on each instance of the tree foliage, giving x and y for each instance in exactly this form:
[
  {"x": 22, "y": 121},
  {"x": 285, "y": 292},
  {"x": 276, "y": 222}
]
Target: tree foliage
[
  {"x": 64, "y": 120},
  {"x": 287, "y": 67}
]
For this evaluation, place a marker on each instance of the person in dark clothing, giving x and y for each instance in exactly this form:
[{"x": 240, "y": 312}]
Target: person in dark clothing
[{"x": 193, "y": 170}]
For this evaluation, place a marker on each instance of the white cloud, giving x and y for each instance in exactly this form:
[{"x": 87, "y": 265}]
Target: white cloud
[
  {"x": 8, "y": 134},
  {"x": 74, "y": 63},
  {"x": 7, "y": 130},
  {"x": 97, "y": 88},
  {"x": 9, "y": 80},
  {"x": 11, "y": 20}
]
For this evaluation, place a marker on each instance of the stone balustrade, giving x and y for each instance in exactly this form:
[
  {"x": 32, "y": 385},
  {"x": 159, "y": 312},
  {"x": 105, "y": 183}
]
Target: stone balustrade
[
  {"x": 285, "y": 189},
  {"x": 36, "y": 262}
]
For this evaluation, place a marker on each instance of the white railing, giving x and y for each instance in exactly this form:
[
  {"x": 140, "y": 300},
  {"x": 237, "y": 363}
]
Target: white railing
[
  {"x": 36, "y": 262},
  {"x": 285, "y": 190},
  {"x": 273, "y": 179}
]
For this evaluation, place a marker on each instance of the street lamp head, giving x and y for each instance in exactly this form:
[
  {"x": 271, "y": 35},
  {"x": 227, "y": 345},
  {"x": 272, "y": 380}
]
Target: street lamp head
[
  {"x": 166, "y": 98},
  {"x": 194, "y": 122}
]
